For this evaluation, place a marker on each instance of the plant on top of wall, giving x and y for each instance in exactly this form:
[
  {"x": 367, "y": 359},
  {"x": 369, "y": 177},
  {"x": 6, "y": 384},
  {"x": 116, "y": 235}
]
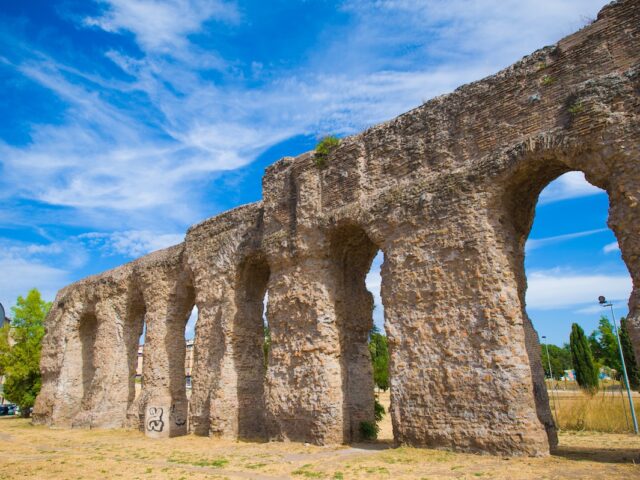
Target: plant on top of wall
[{"x": 324, "y": 147}]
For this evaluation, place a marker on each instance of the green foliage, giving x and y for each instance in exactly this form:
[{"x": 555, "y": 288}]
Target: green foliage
[
  {"x": 20, "y": 362},
  {"x": 604, "y": 346},
  {"x": 266, "y": 345},
  {"x": 582, "y": 359},
  {"x": 560, "y": 359},
  {"x": 324, "y": 147},
  {"x": 633, "y": 372},
  {"x": 379, "y": 350},
  {"x": 369, "y": 430},
  {"x": 379, "y": 411},
  {"x": 547, "y": 80},
  {"x": 575, "y": 108}
]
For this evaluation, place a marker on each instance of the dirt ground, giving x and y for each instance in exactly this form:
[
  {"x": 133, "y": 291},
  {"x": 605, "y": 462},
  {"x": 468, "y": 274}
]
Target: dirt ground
[{"x": 28, "y": 451}]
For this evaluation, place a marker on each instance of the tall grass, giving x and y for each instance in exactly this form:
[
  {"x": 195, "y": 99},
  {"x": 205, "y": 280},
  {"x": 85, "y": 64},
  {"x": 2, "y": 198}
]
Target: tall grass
[{"x": 606, "y": 411}]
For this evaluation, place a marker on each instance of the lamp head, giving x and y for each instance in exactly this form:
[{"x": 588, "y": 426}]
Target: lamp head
[{"x": 602, "y": 300}]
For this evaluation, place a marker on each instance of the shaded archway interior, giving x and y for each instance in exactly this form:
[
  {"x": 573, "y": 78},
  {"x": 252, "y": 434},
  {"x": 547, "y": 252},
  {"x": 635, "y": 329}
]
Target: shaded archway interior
[{"x": 352, "y": 253}]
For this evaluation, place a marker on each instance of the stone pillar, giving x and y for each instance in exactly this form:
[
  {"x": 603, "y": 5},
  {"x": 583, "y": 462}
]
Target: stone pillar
[
  {"x": 61, "y": 363},
  {"x": 460, "y": 374},
  {"x": 105, "y": 366},
  {"x": 304, "y": 396},
  {"x": 214, "y": 406},
  {"x": 230, "y": 276},
  {"x": 624, "y": 220},
  {"x": 164, "y": 397}
]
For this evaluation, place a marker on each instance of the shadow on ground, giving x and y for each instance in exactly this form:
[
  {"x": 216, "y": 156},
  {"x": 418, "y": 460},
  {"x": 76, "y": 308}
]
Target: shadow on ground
[{"x": 603, "y": 455}]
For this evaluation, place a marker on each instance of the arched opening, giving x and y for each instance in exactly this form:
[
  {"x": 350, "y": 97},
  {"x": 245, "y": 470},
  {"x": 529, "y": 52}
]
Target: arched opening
[
  {"x": 176, "y": 345},
  {"x": 189, "y": 337},
  {"x": 352, "y": 255},
  {"x": 250, "y": 347},
  {"x": 569, "y": 259}
]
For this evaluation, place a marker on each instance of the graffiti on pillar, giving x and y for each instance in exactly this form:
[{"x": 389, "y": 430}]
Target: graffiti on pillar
[
  {"x": 155, "y": 422},
  {"x": 176, "y": 416}
]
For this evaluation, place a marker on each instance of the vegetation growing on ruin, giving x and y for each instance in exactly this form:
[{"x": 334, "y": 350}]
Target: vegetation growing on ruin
[
  {"x": 324, "y": 147},
  {"x": 575, "y": 108},
  {"x": 547, "y": 80}
]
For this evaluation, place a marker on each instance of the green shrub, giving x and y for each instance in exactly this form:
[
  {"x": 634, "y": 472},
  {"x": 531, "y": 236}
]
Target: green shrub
[
  {"x": 547, "y": 80},
  {"x": 369, "y": 430},
  {"x": 575, "y": 108},
  {"x": 379, "y": 411},
  {"x": 324, "y": 147}
]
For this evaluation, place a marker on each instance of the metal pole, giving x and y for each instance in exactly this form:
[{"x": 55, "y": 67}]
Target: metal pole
[
  {"x": 555, "y": 400},
  {"x": 624, "y": 372}
]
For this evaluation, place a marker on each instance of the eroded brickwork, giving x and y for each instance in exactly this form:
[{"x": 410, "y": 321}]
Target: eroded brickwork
[{"x": 447, "y": 192}]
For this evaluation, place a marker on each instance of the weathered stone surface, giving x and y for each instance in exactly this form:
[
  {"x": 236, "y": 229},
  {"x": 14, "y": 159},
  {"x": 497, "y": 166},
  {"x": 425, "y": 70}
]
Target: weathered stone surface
[{"x": 447, "y": 191}]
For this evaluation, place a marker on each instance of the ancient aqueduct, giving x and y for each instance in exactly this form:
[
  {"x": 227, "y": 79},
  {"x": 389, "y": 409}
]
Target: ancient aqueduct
[{"x": 447, "y": 191}]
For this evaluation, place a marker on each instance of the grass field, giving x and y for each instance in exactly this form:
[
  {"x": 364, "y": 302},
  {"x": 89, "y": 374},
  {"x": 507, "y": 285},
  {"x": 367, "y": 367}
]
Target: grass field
[
  {"x": 36, "y": 452},
  {"x": 606, "y": 411}
]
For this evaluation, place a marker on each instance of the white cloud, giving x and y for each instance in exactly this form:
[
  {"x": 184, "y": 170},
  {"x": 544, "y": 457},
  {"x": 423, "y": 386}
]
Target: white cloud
[
  {"x": 551, "y": 289},
  {"x": 535, "y": 243},
  {"x": 161, "y": 25},
  {"x": 19, "y": 275},
  {"x": 131, "y": 243},
  {"x": 569, "y": 185},
  {"x": 611, "y": 247},
  {"x": 150, "y": 158}
]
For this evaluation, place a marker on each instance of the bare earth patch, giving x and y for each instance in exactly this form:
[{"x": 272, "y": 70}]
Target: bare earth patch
[{"x": 38, "y": 452}]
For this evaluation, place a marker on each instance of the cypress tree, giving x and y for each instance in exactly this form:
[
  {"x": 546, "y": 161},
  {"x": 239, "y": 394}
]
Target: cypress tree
[
  {"x": 629, "y": 359},
  {"x": 582, "y": 359}
]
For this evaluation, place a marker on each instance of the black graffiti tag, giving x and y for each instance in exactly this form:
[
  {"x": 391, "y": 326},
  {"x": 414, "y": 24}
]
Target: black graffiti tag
[
  {"x": 155, "y": 422},
  {"x": 177, "y": 418}
]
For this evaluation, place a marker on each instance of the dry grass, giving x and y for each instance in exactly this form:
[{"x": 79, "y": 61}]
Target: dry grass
[
  {"x": 603, "y": 412},
  {"x": 37, "y": 452}
]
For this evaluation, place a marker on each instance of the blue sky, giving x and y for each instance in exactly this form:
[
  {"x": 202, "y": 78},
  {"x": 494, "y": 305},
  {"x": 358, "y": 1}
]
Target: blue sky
[{"x": 125, "y": 121}]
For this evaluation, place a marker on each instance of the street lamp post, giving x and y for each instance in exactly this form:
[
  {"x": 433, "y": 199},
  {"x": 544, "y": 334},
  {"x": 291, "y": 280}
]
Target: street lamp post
[
  {"x": 555, "y": 400},
  {"x": 604, "y": 303}
]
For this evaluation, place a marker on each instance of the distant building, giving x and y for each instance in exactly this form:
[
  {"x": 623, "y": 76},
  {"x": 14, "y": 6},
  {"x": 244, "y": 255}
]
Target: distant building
[
  {"x": 188, "y": 362},
  {"x": 3, "y": 320}
]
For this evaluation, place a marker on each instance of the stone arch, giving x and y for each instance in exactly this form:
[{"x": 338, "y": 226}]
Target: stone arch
[
  {"x": 535, "y": 168},
  {"x": 169, "y": 297},
  {"x": 351, "y": 252},
  {"x": 252, "y": 278}
]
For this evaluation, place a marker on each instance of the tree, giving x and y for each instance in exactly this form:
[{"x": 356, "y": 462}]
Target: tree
[
  {"x": 633, "y": 372},
  {"x": 560, "y": 359},
  {"x": 20, "y": 354},
  {"x": 378, "y": 347},
  {"x": 604, "y": 346},
  {"x": 582, "y": 359}
]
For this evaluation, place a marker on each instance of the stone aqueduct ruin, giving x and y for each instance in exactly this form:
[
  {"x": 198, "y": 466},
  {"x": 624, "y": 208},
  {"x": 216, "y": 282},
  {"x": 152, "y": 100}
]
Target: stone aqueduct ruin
[{"x": 447, "y": 191}]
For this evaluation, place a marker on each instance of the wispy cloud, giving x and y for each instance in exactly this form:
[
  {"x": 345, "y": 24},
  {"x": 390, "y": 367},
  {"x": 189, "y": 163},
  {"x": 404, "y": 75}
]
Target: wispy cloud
[
  {"x": 161, "y": 25},
  {"x": 560, "y": 289},
  {"x": 569, "y": 185},
  {"x": 153, "y": 156},
  {"x": 611, "y": 247},
  {"x": 131, "y": 243},
  {"x": 536, "y": 243}
]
